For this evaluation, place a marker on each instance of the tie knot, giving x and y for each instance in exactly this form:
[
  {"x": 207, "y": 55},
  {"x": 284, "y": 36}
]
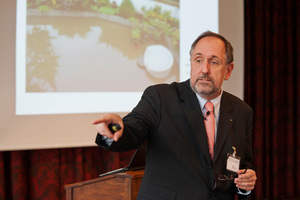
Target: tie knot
[{"x": 209, "y": 106}]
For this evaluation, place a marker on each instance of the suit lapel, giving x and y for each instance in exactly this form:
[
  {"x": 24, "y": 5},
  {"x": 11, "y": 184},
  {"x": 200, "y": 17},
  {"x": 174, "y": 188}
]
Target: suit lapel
[
  {"x": 226, "y": 121},
  {"x": 191, "y": 107}
]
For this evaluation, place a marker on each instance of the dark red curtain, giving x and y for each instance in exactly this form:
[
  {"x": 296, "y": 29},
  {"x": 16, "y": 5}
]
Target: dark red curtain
[
  {"x": 272, "y": 88},
  {"x": 42, "y": 174}
]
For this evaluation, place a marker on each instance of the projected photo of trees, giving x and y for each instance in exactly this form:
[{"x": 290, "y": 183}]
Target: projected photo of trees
[{"x": 101, "y": 45}]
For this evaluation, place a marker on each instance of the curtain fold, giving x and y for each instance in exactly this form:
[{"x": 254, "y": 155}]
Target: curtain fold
[
  {"x": 42, "y": 174},
  {"x": 272, "y": 88}
]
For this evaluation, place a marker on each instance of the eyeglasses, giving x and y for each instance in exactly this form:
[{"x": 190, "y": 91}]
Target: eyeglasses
[
  {"x": 223, "y": 177},
  {"x": 233, "y": 175}
]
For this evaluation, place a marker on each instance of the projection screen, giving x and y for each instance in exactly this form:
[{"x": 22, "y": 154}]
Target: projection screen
[{"x": 64, "y": 65}]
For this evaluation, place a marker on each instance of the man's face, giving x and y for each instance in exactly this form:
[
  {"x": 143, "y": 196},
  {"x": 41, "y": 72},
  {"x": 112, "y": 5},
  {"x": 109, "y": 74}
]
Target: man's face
[{"x": 208, "y": 67}]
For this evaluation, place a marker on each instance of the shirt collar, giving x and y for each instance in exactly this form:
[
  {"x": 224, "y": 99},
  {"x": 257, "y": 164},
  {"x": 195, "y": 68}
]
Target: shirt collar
[{"x": 216, "y": 101}]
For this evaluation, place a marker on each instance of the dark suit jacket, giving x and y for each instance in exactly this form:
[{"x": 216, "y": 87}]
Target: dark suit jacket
[{"x": 178, "y": 164}]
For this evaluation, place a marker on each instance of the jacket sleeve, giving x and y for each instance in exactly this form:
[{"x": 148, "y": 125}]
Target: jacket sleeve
[{"x": 138, "y": 124}]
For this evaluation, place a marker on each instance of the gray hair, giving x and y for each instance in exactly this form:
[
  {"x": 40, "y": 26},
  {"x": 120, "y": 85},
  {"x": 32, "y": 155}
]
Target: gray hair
[{"x": 228, "y": 46}]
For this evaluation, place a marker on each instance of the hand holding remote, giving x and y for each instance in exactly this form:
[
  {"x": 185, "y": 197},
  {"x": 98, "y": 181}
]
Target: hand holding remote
[{"x": 109, "y": 125}]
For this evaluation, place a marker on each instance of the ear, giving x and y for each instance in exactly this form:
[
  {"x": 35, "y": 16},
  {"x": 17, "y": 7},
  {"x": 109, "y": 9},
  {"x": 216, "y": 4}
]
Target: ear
[{"x": 228, "y": 72}]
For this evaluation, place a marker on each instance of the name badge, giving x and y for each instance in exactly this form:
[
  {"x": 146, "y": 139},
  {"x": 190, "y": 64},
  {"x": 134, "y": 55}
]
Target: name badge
[{"x": 233, "y": 162}]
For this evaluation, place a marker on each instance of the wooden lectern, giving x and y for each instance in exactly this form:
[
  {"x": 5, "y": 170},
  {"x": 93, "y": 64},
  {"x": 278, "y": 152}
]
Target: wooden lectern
[{"x": 123, "y": 186}]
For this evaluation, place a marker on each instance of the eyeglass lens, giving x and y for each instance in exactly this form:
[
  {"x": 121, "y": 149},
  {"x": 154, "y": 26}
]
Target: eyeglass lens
[{"x": 229, "y": 177}]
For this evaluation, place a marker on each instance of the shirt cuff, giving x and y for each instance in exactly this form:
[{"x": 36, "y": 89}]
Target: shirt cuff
[
  {"x": 243, "y": 192},
  {"x": 107, "y": 140},
  {"x": 103, "y": 141}
]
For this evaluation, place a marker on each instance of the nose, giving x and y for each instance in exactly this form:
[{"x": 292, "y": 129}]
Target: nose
[{"x": 205, "y": 67}]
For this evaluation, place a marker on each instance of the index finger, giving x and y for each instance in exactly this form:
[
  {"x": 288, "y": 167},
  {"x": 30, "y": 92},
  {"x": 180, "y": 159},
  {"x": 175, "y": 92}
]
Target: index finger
[
  {"x": 108, "y": 118},
  {"x": 98, "y": 121},
  {"x": 242, "y": 171},
  {"x": 243, "y": 174},
  {"x": 103, "y": 119}
]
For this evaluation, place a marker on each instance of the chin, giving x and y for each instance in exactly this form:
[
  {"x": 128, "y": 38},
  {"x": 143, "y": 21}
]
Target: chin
[{"x": 204, "y": 89}]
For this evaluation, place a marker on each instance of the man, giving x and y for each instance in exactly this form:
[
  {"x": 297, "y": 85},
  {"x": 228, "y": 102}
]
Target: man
[{"x": 172, "y": 117}]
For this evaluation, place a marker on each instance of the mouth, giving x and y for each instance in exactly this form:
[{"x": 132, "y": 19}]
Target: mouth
[{"x": 204, "y": 80}]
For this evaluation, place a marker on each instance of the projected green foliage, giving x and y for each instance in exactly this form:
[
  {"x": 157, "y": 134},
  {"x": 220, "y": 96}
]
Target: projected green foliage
[
  {"x": 41, "y": 62},
  {"x": 152, "y": 23}
]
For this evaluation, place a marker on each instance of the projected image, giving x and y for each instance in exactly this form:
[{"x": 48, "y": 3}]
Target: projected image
[
  {"x": 101, "y": 45},
  {"x": 98, "y": 56}
]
